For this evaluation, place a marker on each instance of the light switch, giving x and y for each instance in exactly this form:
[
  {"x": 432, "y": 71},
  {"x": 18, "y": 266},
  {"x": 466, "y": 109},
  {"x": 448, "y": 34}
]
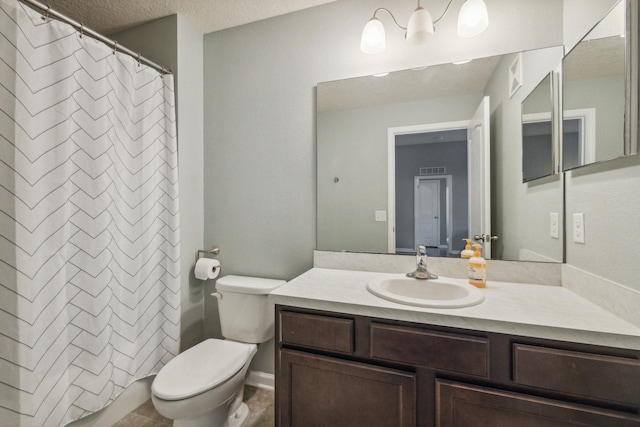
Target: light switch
[
  {"x": 578, "y": 227},
  {"x": 381, "y": 216},
  {"x": 554, "y": 219}
]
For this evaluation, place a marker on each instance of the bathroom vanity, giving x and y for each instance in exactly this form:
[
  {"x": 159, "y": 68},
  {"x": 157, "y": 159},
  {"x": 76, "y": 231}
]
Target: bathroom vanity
[{"x": 529, "y": 355}]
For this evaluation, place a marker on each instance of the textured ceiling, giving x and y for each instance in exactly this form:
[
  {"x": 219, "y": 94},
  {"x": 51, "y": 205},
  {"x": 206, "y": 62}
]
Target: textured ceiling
[{"x": 206, "y": 15}]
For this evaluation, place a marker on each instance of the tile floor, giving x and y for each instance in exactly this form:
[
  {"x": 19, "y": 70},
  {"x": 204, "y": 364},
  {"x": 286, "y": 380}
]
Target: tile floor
[{"x": 260, "y": 405}]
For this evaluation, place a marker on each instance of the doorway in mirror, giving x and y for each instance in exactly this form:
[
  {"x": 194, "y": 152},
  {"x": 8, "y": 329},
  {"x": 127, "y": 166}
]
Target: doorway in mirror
[{"x": 431, "y": 196}]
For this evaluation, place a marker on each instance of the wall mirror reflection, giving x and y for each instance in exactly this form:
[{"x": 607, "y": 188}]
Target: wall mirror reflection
[
  {"x": 537, "y": 132},
  {"x": 594, "y": 94},
  {"x": 404, "y": 159}
]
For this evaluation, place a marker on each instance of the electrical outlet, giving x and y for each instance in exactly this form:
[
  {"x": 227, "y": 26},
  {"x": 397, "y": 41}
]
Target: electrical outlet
[
  {"x": 578, "y": 227},
  {"x": 381, "y": 216},
  {"x": 554, "y": 221}
]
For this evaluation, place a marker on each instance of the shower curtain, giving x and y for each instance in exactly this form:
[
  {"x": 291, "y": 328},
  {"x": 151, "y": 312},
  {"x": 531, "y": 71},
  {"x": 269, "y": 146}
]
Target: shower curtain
[{"x": 89, "y": 229}]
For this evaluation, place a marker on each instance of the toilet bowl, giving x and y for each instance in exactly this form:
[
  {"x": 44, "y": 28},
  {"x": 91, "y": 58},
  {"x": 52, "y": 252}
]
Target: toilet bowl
[
  {"x": 199, "y": 386},
  {"x": 204, "y": 385}
]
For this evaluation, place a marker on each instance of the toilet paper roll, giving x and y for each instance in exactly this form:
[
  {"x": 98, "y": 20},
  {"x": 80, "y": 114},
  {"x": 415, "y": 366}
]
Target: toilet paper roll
[{"x": 207, "y": 268}]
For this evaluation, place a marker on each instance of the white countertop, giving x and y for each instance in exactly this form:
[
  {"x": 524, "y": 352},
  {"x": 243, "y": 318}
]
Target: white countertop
[{"x": 550, "y": 312}]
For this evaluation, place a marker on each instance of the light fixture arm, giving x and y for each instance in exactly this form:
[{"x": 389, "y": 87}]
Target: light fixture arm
[
  {"x": 392, "y": 17},
  {"x": 435, "y": 21}
]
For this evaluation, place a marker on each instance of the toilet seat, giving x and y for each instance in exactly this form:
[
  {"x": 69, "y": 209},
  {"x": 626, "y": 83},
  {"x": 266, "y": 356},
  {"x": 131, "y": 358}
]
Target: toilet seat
[{"x": 201, "y": 368}]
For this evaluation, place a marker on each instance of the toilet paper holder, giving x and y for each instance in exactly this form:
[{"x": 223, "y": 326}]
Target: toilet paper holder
[{"x": 212, "y": 251}]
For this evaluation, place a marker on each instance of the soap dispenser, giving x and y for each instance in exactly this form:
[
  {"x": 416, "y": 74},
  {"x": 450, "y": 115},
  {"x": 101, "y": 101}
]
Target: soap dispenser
[
  {"x": 467, "y": 252},
  {"x": 477, "y": 269}
]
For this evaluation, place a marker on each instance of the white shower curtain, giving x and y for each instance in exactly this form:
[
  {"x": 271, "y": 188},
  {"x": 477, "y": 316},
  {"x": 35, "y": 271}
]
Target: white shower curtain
[{"x": 89, "y": 230}]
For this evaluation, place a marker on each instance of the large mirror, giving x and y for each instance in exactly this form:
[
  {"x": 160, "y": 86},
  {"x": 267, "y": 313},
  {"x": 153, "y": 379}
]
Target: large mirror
[
  {"x": 594, "y": 88},
  {"x": 406, "y": 159}
]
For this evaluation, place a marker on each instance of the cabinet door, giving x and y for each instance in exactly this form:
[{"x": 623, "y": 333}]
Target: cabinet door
[
  {"x": 321, "y": 391},
  {"x": 462, "y": 405}
]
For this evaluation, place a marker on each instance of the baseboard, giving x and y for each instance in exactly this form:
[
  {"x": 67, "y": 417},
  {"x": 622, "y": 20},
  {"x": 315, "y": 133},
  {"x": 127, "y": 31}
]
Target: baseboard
[{"x": 261, "y": 380}]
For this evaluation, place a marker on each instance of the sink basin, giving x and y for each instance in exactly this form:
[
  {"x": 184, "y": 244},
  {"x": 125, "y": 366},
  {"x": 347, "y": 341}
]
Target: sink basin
[{"x": 436, "y": 293}]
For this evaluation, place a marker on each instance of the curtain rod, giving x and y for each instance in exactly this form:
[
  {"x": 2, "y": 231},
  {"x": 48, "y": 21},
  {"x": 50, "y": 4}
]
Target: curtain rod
[{"x": 47, "y": 11}]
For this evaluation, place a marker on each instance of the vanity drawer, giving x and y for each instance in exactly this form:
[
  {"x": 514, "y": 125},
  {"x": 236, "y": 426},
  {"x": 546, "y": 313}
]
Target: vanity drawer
[
  {"x": 614, "y": 379},
  {"x": 315, "y": 331},
  {"x": 430, "y": 349}
]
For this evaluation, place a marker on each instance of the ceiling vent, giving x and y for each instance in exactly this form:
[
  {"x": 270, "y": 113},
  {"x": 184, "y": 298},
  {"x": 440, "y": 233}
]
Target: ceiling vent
[{"x": 439, "y": 170}]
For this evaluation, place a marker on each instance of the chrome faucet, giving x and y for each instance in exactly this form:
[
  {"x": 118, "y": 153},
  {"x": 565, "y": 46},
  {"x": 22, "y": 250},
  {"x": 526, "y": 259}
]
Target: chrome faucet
[{"x": 421, "y": 265}]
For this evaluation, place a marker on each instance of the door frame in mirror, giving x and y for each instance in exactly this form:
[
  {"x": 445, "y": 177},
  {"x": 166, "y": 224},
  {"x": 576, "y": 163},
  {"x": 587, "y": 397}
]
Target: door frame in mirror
[
  {"x": 391, "y": 168},
  {"x": 527, "y": 118}
]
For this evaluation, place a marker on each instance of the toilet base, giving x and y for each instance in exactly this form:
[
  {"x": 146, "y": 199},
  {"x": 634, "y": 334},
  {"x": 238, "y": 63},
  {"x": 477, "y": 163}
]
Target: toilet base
[
  {"x": 217, "y": 418},
  {"x": 240, "y": 416}
]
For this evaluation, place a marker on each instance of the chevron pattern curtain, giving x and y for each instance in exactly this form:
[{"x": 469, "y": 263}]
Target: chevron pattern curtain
[{"x": 89, "y": 229}]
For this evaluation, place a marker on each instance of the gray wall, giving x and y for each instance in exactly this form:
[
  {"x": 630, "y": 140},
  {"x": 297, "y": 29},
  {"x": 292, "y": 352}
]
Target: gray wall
[
  {"x": 260, "y": 182},
  {"x": 608, "y": 195}
]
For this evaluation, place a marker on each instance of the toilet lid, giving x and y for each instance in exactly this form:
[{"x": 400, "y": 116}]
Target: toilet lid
[{"x": 200, "y": 368}]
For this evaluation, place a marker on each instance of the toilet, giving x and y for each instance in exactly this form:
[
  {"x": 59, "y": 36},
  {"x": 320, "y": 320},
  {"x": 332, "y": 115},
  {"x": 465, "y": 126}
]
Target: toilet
[{"x": 203, "y": 386}]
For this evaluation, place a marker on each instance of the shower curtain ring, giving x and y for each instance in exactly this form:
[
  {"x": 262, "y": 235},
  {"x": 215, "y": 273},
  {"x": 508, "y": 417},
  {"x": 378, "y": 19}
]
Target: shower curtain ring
[
  {"x": 138, "y": 59},
  {"x": 115, "y": 47},
  {"x": 45, "y": 16},
  {"x": 81, "y": 29}
]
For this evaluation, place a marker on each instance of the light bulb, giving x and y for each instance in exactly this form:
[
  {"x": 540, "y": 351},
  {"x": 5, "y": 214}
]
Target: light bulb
[
  {"x": 420, "y": 26},
  {"x": 373, "y": 37},
  {"x": 473, "y": 18}
]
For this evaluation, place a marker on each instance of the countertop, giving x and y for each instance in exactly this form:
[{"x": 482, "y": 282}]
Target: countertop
[{"x": 550, "y": 312}]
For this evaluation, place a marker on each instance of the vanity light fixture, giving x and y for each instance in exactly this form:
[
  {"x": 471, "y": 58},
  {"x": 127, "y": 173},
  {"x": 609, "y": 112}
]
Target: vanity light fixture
[{"x": 472, "y": 20}]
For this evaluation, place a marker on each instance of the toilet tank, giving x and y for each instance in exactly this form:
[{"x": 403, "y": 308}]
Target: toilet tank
[{"x": 246, "y": 315}]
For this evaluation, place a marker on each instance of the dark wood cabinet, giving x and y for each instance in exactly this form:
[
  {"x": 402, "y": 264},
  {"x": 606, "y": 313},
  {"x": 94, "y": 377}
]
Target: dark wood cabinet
[
  {"x": 349, "y": 370},
  {"x": 464, "y": 405},
  {"x": 323, "y": 391}
]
